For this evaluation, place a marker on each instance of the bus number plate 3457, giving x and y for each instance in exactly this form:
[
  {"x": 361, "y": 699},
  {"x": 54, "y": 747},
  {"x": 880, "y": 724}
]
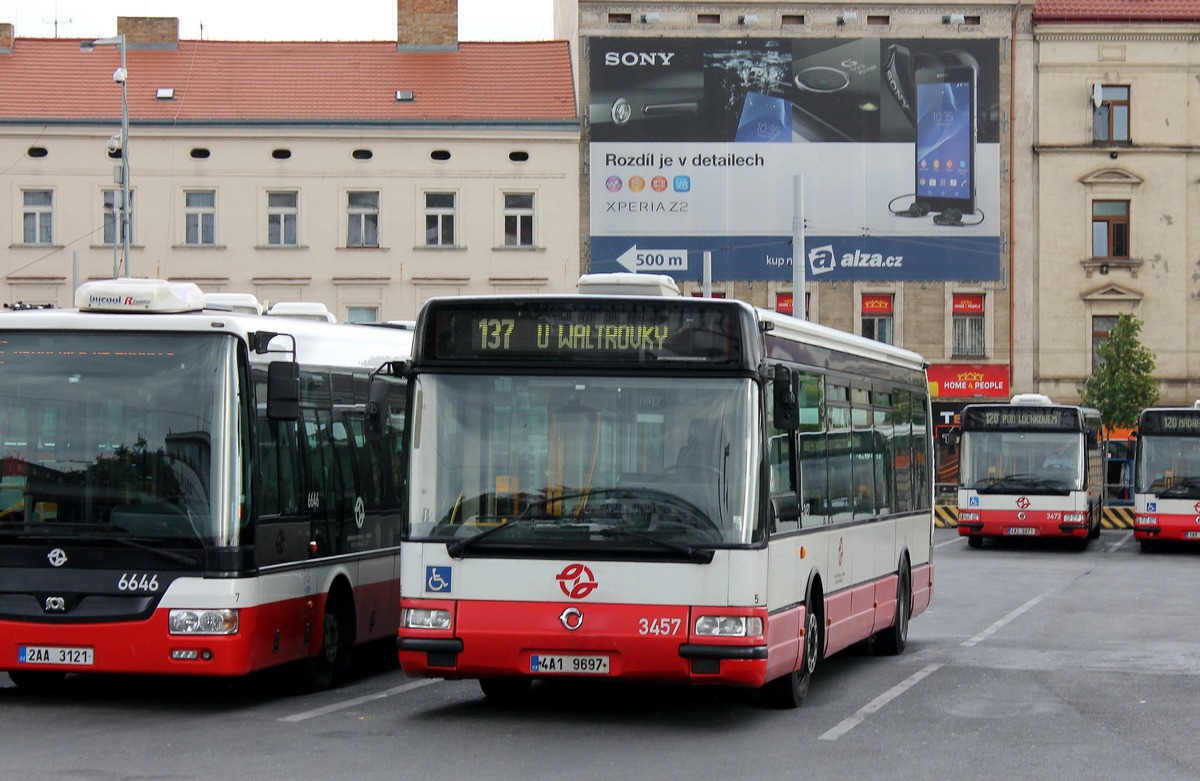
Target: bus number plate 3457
[
  {"x": 544, "y": 664},
  {"x": 49, "y": 654}
]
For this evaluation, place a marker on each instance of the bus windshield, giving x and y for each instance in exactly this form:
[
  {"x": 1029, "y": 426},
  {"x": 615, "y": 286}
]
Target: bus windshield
[
  {"x": 117, "y": 434},
  {"x": 1021, "y": 462},
  {"x": 628, "y": 463},
  {"x": 1169, "y": 466}
]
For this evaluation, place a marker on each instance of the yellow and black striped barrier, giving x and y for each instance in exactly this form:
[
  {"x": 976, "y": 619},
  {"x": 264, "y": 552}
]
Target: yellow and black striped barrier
[{"x": 946, "y": 517}]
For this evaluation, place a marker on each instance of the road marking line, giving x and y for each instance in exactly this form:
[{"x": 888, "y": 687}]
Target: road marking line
[
  {"x": 874, "y": 705},
  {"x": 950, "y": 542},
  {"x": 985, "y": 634},
  {"x": 337, "y": 706},
  {"x": 1124, "y": 539}
]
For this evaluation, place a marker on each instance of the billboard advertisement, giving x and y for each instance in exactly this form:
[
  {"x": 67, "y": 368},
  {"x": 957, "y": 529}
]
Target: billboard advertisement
[{"x": 886, "y": 150}]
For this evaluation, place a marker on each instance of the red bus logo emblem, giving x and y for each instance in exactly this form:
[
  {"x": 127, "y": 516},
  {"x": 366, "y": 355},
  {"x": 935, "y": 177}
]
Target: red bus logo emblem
[
  {"x": 576, "y": 581},
  {"x": 1023, "y": 502}
]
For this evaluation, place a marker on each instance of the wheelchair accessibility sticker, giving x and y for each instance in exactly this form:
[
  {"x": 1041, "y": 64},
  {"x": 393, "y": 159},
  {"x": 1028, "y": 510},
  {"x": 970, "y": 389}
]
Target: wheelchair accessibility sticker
[
  {"x": 973, "y": 501},
  {"x": 437, "y": 580}
]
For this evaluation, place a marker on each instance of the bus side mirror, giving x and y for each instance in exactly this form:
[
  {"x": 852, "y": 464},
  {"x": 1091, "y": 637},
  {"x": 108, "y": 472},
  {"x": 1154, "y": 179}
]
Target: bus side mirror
[
  {"x": 786, "y": 407},
  {"x": 377, "y": 409},
  {"x": 283, "y": 390}
]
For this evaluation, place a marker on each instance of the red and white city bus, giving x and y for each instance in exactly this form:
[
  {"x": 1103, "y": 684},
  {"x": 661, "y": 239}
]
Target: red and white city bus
[
  {"x": 192, "y": 491},
  {"x": 660, "y": 489},
  {"x": 1030, "y": 468},
  {"x": 1166, "y": 493}
]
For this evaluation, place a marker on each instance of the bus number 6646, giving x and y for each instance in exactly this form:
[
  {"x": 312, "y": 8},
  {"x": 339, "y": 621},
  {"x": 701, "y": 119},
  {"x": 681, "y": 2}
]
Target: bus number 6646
[
  {"x": 136, "y": 582},
  {"x": 658, "y": 626}
]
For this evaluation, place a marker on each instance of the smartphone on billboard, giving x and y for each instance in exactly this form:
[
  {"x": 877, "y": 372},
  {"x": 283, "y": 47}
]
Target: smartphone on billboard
[{"x": 945, "y": 147}]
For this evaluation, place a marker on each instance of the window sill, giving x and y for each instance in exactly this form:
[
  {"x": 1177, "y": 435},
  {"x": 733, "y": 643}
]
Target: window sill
[
  {"x": 530, "y": 248},
  {"x": 36, "y": 246},
  {"x": 362, "y": 248},
  {"x": 199, "y": 246},
  {"x": 1105, "y": 265},
  {"x": 270, "y": 247},
  {"x": 439, "y": 248}
]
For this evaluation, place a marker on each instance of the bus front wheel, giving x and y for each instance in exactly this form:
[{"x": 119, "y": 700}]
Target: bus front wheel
[{"x": 789, "y": 691}]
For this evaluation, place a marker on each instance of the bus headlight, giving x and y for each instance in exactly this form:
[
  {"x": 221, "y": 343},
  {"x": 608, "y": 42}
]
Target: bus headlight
[
  {"x": 203, "y": 622},
  {"x": 424, "y": 618},
  {"x": 729, "y": 626}
]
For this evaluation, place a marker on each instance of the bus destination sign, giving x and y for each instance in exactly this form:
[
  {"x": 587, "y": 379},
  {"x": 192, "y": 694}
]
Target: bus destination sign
[
  {"x": 1183, "y": 422},
  {"x": 999, "y": 417},
  {"x": 556, "y": 330}
]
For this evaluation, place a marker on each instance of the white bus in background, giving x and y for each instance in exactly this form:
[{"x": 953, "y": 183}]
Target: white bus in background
[
  {"x": 660, "y": 489},
  {"x": 1030, "y": 468},
  {"x": 193, "y": 491},
  {"x": 1166, "y": 492}
]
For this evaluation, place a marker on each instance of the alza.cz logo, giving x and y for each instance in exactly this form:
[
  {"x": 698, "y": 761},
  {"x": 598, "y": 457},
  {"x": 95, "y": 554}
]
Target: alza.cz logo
[
  {"x": 631, "y": 59},
  {"x": 822, "y": 260},
  {"x": 576, "y": 581}
]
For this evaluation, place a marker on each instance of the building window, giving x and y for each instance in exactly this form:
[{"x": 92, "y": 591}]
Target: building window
[
  {"x": 1110, "y": 229},
  {"x": 38, "y": 216},
  {"x": 967, "y": 326},
  {"x": 362, "y": 212},
  {"x": 1110, "y": 122},
  {"x": 1102, "y": 326},
  {"x": 439, "y": 219},
  {"x": 200, "y": 218},
  {"x": 877, "y": 311},
  {"x": 112, "y": 216},
  {"x": 362, "y": 314},
  {"x": 283, "y": 212},
  {"x": 518, "y": 219}
]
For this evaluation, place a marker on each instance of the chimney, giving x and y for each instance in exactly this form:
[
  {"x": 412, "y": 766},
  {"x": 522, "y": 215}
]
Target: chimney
[
  {"x": 149, "y": 32},
  {"x": 426, "y": 25},
  {"x": 6, "y": 38}
]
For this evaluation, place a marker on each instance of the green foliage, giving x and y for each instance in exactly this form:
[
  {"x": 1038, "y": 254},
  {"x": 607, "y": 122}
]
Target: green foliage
[{"x": 1122, "y": 385}]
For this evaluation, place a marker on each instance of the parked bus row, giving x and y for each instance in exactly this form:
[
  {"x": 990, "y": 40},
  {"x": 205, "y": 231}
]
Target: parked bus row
[
  {"x": 643, "y": 487},
  {"x": 1033, "y": 468}
]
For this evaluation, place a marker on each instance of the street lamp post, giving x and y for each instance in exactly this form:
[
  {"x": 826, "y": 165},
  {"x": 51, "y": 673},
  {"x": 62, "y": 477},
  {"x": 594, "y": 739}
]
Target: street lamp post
[{"x": 125, "y": 207}]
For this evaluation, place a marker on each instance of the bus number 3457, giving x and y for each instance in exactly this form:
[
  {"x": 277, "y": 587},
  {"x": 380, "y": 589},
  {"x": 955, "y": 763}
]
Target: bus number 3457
[{"x": 658, "y": 626}]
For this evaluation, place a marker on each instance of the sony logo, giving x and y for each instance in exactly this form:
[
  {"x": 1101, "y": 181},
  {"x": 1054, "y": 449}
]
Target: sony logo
[{"x": 638, "y": 58}]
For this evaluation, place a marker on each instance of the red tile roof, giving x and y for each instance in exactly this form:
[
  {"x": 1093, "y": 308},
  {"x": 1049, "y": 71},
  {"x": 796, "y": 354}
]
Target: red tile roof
[
  {"x": 301, "y": 81},
  {"x": 1117, "y": 11}
]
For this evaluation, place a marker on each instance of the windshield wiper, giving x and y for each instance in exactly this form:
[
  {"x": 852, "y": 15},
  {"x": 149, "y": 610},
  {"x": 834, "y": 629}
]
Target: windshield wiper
[
  {"x": 1182, "y": 487},
  {"x": 1022, "y": 481},
  {"x": 692, "y": 552},
  {"x": 172, "y": 556},
  {"x": 459, "y": 547}
]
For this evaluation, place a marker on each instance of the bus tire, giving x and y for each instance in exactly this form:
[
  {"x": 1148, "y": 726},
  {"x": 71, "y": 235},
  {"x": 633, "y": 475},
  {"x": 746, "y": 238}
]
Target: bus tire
[
  {"x": 788, "y": 691},
  {"x": 893, "y": 640},
  {"x": 37, "y": 681},
  {"x": 974, "y": 541},
  {"x": 337, "y": 638},
  {"x": 505, "y": 690}
]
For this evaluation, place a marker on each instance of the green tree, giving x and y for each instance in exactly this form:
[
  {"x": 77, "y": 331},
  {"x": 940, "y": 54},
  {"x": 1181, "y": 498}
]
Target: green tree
[{"x": 1122, "y": 385}]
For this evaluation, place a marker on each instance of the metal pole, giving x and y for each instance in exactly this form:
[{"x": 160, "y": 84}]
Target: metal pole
[
  {"x": 798, "y": 253},
  {"x": 706, "y": 283},
  {"x": 126, "y": 203}
]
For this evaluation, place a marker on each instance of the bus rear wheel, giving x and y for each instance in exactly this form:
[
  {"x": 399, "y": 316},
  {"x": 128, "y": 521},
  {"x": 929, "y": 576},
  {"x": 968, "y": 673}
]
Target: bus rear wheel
[
  {"x": 789, "y": 691},
  {"x": 975, "y": 541}
]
